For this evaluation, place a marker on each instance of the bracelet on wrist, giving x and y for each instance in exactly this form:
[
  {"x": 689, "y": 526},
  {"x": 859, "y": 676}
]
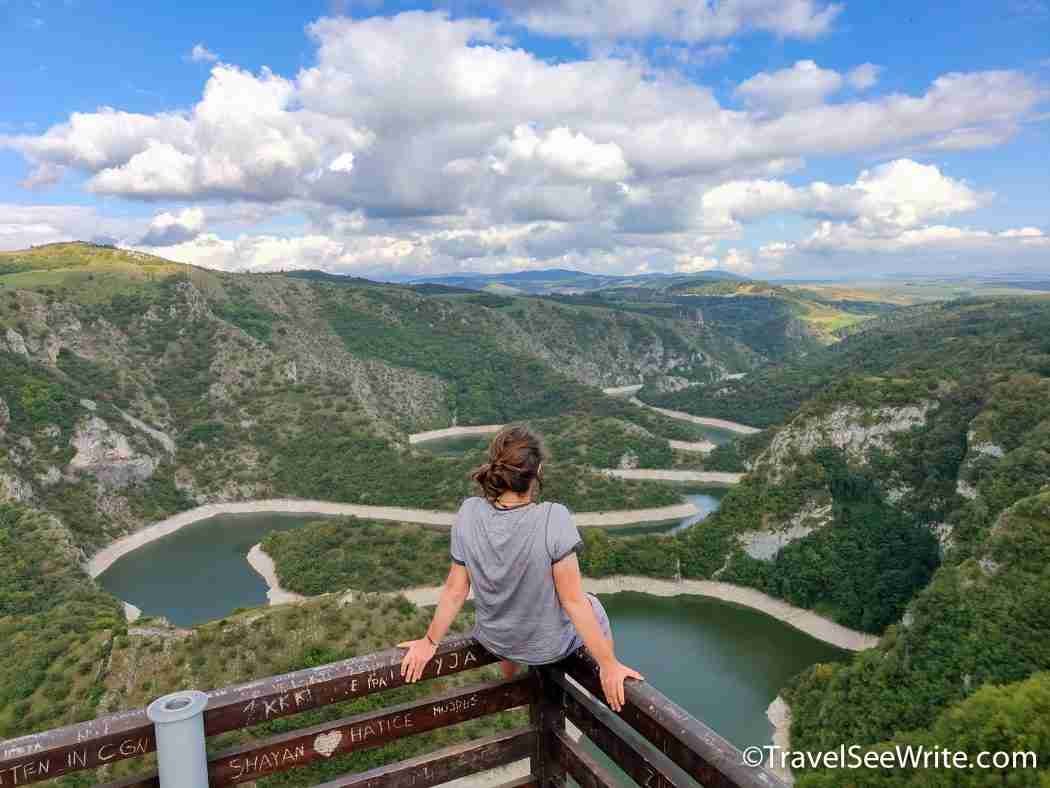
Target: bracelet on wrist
[{"x": 430, "y": 640}]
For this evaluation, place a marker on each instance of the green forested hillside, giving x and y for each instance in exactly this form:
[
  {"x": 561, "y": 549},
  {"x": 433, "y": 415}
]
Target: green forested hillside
[
  {"x": 974, "y": 340},
  {"x": 984, "y": 621},
  {"x": 908, "y": 482},
  {"x": 133, "y": 387},
  {"x": 1008, "y": 723},
  {"x": 775, "y": 321},
  {"x": 57, "y": 622},
  {"x": 870, "y": 468},
  {"x": 508, "y": 359},
  {"x": 778, "y": 321},
  {"x": 861, "y": 569},
  {"x": 609, "y": 442},
  {"x": 900, "y": 486}
]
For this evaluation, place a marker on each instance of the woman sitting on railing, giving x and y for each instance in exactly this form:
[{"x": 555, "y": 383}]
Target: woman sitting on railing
[{"x": 520, "y": 557}]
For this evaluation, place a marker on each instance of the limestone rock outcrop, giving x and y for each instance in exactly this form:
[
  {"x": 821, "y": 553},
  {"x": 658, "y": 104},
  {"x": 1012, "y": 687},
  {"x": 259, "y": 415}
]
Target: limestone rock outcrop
[
  {"x": 849, "y": 428},
  {"x": 765, "y": 544},
  {"x": 14, "y": 488},
  {"x": 108, "y": 455},
  {"x": 16, "y": 343}
]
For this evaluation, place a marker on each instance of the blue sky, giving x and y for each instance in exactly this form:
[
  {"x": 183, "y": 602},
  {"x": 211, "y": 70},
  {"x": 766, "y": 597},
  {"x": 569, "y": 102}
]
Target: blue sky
[{"x": 769, "y": 137}]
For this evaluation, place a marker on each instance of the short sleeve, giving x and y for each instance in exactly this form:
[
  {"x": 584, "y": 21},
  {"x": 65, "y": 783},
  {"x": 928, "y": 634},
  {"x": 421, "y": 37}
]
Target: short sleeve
[
  {"x": 562, "y": 536},
  {"x": 459, "y": 555}
]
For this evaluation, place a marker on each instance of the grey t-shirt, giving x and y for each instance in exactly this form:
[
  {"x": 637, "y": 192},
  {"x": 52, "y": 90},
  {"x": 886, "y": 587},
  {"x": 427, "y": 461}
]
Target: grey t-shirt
[{"x": 509, "y": 554}]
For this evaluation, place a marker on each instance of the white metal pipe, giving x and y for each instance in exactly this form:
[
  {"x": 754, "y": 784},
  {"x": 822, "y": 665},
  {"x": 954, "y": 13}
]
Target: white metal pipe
[{"x": 178, "y": 719}]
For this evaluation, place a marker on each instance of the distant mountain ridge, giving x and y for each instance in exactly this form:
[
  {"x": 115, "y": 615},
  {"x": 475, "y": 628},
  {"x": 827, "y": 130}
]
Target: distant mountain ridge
[
  {"x": 562, "y": 280},
  {"x": 773, "y": 319}
]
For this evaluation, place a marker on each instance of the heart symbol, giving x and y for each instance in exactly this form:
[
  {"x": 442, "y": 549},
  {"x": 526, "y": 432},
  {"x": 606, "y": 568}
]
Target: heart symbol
[{"x": 327, "y": 743}]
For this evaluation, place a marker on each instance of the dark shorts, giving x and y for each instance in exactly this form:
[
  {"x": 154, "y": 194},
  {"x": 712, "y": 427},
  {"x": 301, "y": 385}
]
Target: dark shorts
[{"x": 603, "y": 617}]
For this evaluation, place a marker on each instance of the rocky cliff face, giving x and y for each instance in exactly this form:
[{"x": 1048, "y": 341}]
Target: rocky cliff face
[
  {"x": 46, "y": 329},
  {"x": 981, "y": 453},
  {"x": 385, "y": 393},
  {"x": 764, "y": 544},
  {"x": 192, "y": 388},
  {"x": 305, "y": 352},
  {"x": 108, "y": 455},
  {"x": 1008, "y": 437},
  {"x": 605, "y": 348},
  {"x": 14, "y": 488},
  {"x": 15, "y": 343},
  {"x": 852, "y": 429}
]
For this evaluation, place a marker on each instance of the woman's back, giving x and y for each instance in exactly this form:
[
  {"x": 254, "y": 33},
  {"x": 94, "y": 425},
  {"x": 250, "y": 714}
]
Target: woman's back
[
  {"x": 529, "y": 599},
  {"x": 509, "y": 554}
]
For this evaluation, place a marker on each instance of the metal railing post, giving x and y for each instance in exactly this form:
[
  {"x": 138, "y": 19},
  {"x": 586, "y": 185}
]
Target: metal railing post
[{"x": 178, "y": 720}]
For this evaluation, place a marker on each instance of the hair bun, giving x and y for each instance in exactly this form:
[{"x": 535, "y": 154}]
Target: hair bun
[{"x": 514, "y": 460}]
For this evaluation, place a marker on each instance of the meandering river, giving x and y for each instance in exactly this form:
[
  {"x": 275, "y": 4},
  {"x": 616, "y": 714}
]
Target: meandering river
[
  {"x": 706, "y": 501},
  {"x": 722, "y": 662},
  {"x": 199, "y": 572}
]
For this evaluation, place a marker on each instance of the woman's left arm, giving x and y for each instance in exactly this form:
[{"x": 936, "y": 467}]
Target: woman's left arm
[
  {"x": 569, "y": 585},
  {"x": 453, "y": 595}
]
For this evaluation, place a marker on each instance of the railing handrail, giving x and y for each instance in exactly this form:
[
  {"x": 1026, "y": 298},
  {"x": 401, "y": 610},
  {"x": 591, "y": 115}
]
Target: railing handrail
[
  {"x": 693, "y": 746},
  {"x": 130, "y": 734},
  {"x": 684, "y": 740}
]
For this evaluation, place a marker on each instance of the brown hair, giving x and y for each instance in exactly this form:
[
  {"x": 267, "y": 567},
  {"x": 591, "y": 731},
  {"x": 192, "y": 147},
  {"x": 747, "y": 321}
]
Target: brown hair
[{"x": 515, "y": 455}]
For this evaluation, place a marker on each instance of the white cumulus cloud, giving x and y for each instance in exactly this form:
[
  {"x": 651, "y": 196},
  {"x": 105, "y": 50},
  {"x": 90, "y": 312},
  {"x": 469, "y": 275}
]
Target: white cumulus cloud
[
  {"x": 201, "y": 54},
  {"x": 245, "y": 139},
  {"x": 344, "y": 163},
  {"x": 678, "y": 20},
  {"x": 694, "y": 264},
  {"x": 805, "y": 84},
  {"x": 569, "y": 154},
  {"x": 738, "y": 261},
  {"x": 416, "y": 144},
  {"x": 167, "y": 229},
  {"x": 900, "y": 193},
  {"x": 840, "y": 237},
  {"x": 599, "y": 160},
  {"x": 22, "y": 226},
  {"x": 864, "y": 76}
]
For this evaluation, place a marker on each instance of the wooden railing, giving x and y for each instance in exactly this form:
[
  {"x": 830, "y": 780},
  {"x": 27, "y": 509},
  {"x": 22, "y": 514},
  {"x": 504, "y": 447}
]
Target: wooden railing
[{"x": 681, "y": 746}]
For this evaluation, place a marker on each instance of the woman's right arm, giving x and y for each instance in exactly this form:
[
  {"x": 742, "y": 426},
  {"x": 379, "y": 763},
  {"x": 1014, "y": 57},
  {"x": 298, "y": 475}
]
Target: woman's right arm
[
  {"x": 569, "y": 585},
  {"x": 453, "y": 595}
]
